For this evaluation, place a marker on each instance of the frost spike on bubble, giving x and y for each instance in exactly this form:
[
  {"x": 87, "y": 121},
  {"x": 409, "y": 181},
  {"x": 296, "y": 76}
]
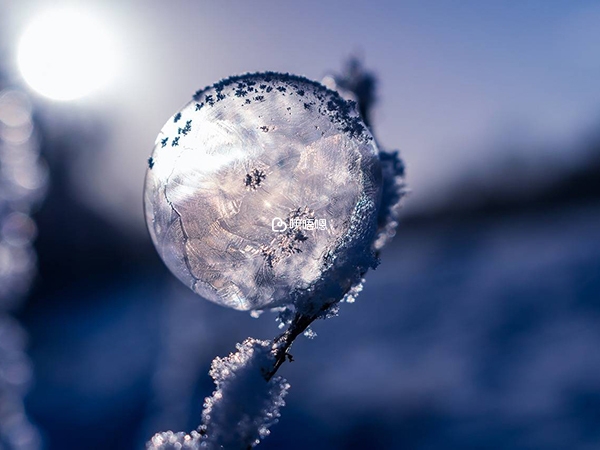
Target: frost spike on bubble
[{"x": 250, "y": 152}]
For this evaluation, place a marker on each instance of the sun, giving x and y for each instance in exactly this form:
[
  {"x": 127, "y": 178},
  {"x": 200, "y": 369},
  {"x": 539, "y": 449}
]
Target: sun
[{"x": 66, "y": 54}]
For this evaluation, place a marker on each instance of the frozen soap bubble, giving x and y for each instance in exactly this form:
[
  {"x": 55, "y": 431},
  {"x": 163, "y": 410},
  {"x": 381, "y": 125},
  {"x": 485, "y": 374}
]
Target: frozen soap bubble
[{"x": 264, "y": 191}]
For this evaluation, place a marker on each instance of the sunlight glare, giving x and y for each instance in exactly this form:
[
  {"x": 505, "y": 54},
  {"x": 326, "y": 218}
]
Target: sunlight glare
[{"x": 66, "y": 54}]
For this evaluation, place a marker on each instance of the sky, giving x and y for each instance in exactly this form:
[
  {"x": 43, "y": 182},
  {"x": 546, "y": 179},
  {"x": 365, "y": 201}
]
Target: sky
[{"x": 463, "y": 86}]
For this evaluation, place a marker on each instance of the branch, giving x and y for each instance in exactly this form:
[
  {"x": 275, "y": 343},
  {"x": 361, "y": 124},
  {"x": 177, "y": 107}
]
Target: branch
[{"x": 283, "y": 342}]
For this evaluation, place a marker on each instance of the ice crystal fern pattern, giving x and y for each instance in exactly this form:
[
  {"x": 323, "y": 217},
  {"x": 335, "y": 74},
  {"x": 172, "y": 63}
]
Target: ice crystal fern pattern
[
  {"x": 251, "y": 150},
  {"x": 245, "y": 156}
]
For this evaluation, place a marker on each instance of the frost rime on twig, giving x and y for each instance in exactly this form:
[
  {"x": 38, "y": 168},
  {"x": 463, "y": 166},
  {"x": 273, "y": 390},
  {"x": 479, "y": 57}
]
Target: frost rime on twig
[
  {"x": 169, "y": 440},
  {"x": 245, "y": 404}
]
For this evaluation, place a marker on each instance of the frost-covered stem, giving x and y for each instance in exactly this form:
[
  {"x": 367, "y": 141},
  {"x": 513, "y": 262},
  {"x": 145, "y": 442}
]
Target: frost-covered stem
[{"x": 283, "y": 342}]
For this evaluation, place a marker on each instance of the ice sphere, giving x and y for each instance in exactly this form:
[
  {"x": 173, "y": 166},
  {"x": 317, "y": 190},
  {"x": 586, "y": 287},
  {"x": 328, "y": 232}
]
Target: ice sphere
[{"x": 264, "y": 191}]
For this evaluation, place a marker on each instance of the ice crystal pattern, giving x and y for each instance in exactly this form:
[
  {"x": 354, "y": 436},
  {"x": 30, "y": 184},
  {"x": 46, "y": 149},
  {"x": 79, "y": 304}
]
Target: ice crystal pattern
[
  {"x": 268, "y": 146},
  {"x": 243, "y": 152}
]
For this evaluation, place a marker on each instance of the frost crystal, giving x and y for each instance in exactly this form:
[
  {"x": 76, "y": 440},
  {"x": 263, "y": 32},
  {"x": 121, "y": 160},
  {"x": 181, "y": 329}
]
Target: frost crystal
[
  {"x": 350, "y": 297},
  {"x": 268, "y": 194},
  {"x": 175, "y": 441},
  {"x": 244, "y": 405},
  {"x": 394, "y": 190}
]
